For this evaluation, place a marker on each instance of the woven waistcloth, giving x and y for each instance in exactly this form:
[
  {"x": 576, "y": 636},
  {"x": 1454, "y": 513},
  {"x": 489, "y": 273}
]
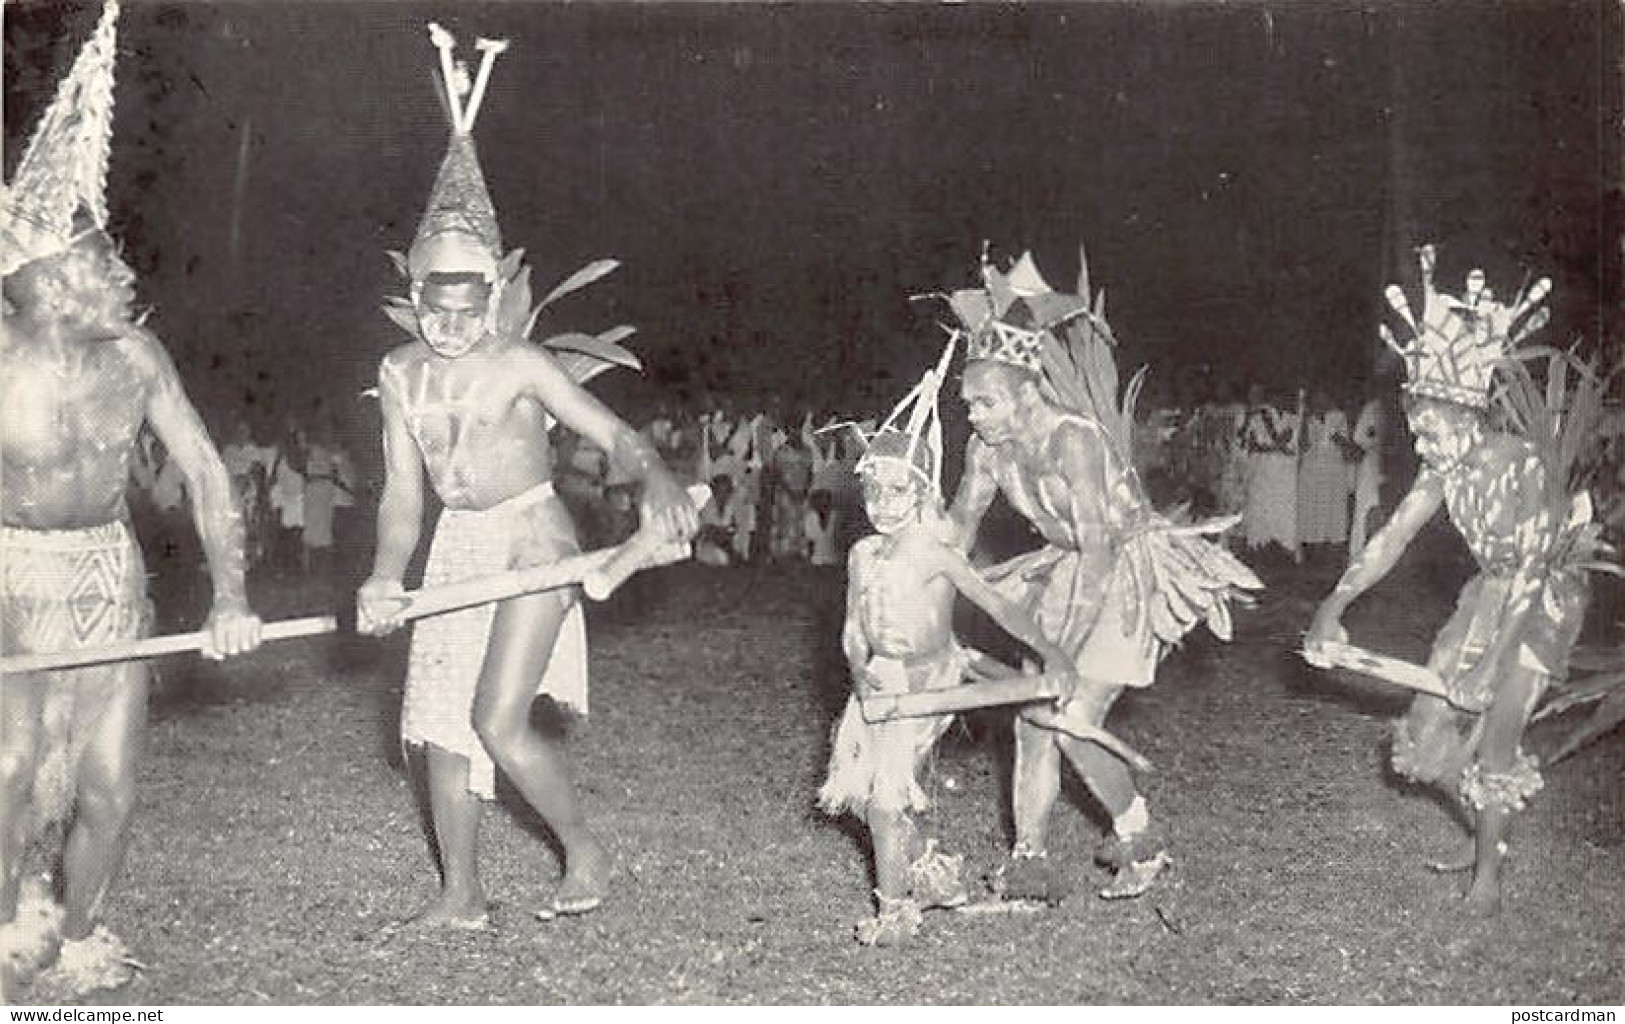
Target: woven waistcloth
[
  {"x": 448, "y": 651},
  {"x": 63, "y": 590}
]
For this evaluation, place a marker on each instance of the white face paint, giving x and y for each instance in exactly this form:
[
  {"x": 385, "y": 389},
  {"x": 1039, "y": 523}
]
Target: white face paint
[
  {"x": 891, "y": 495},
  {"x": 1444, "y": 433},
  {"x": 452, "y": 317}
]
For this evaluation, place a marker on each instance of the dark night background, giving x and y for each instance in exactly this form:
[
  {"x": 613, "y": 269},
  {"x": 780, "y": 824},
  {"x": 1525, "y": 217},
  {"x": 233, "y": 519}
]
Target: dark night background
[{"x": 779, "y": 179}]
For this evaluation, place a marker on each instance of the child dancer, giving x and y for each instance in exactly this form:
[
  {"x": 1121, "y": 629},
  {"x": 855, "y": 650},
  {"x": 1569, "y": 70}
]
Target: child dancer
[{"x": 898, "y": 637}]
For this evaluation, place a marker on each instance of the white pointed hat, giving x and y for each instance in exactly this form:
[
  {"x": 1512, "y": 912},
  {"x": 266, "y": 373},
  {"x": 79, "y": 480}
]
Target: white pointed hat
[
  {"x": 62, "y": 176},
  {"x": 458, "y": 232}
]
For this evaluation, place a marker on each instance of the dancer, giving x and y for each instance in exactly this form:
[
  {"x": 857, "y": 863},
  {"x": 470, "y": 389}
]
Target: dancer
[
  {"x": 470, "y": 400},
  {"x": 79, "y": 378},
  {"x": 898, "y": 637},
  {"x": 1509, "y": 496},
  {"x": 1115, "y": 584}
]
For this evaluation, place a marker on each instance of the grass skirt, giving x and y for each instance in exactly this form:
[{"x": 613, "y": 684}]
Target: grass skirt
[{"x": 874, "y": 766}]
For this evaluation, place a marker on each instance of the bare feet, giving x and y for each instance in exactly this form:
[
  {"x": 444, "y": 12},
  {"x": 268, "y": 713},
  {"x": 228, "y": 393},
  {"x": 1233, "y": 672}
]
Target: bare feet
[
  {"x": 897, "y": 922},
  {"x": 1461, "y": 858},
  {"x": 1483, "y": 899},
  {"x": 448, "y": 912},
  {"x": 587, "y": 874}
]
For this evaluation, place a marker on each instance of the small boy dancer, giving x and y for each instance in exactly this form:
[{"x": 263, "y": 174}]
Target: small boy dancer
[
  {"x": 898, "y": 637},
  {"x": 470, "y": 400}
]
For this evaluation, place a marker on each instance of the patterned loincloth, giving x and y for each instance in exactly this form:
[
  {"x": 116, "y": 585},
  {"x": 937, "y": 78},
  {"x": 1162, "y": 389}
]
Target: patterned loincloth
[
  {"x": 448, "y": 651},
  {"x": 874, "y": 765},
  {"x": 62, "y": 590}
]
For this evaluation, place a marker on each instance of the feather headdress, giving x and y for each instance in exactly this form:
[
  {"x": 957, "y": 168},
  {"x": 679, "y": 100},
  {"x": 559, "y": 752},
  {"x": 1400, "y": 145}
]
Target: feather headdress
[{"x": 1174, "y": 575}]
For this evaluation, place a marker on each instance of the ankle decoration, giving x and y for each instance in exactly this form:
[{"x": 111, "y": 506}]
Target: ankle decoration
[
  {"x": 896, "y": 920},
  {"x": 937, "y": 878},
  {"x": 1120, "y": 851},
  {"x": 1132, "y": 821},
  {"x": 1502, "y": 791}
]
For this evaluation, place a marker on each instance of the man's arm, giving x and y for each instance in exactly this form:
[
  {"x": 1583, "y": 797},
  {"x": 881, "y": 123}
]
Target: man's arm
[
  {"x": 1079, "y": 457},
  {"x": 381, "y": 598},
  {"x": 1379, "y": 557},
  {"x": 1010, "y": 616},
  {"x": 664, "y": 502},
  {"x": 854, "y": 642},
  {"x": 232, "y": 627},
  {"x": 977, "y": 488}
]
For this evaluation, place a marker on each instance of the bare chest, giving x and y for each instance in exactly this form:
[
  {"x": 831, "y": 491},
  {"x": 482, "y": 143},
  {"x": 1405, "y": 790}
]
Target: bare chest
[
  {"x": 451, "y": 409},
  {"x": 480, "y": 432},
  {"x": 53, "y": 411},
  {"x": 1486, "y": 506},
  {"x": 902, "y": 609},
  {"x": 1040, "y": 494}
]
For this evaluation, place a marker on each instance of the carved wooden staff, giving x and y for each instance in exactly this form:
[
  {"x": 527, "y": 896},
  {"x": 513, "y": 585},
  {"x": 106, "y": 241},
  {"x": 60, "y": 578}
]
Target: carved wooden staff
[
  {"x": 1330, "y": 654},
  {"x": 598, "y": 572},
  {"x": 155, "y": 646},
  {"x": 1011, "y": 689}
]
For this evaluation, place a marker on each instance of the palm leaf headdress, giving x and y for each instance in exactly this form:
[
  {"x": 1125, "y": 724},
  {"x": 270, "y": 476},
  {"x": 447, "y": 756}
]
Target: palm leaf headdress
[
  {"x": 460, "y": 205},
  {"x": 1016, "y": 317}
]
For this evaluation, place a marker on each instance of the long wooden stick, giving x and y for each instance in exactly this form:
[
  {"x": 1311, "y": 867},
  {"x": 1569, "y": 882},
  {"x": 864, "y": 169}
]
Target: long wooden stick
[
  {"x": 599, "y": 571},
  {"x": 991, "y": 693},
  {"x": 566, "y": 572},
  {"x": 1095, "y": 734},
  {"x": 602, "y": 571},
  {"x": 1329, "y": 654},
  {"x": 450, "y": 597},
  {"x": 1017, "y": 689},
  {"x": 155, "y": 646}
]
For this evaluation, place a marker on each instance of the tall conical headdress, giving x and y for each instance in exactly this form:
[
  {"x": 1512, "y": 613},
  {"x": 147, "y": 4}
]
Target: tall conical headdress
[
  {"x": 458, "y": 233},
  {"x": 1455, "y": 349},
  {"x": 64, "y": 169},
  {"x": 912, "y": 434}
]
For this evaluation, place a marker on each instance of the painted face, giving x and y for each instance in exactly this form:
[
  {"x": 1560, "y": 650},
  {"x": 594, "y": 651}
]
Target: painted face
[
  {"x": 891, "y": 495},
  {"x": 119, "y": 291},
  {"x": 452, "y": 316},
  {"x": 1444, "y": 433},
  {"x": 86, "y": 285},
  {"x": 993, "y": 399}
]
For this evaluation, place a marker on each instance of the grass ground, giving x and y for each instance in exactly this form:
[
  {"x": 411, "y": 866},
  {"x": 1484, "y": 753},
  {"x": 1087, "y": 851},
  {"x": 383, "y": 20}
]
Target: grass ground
[{"x": 277, "y": 831}]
